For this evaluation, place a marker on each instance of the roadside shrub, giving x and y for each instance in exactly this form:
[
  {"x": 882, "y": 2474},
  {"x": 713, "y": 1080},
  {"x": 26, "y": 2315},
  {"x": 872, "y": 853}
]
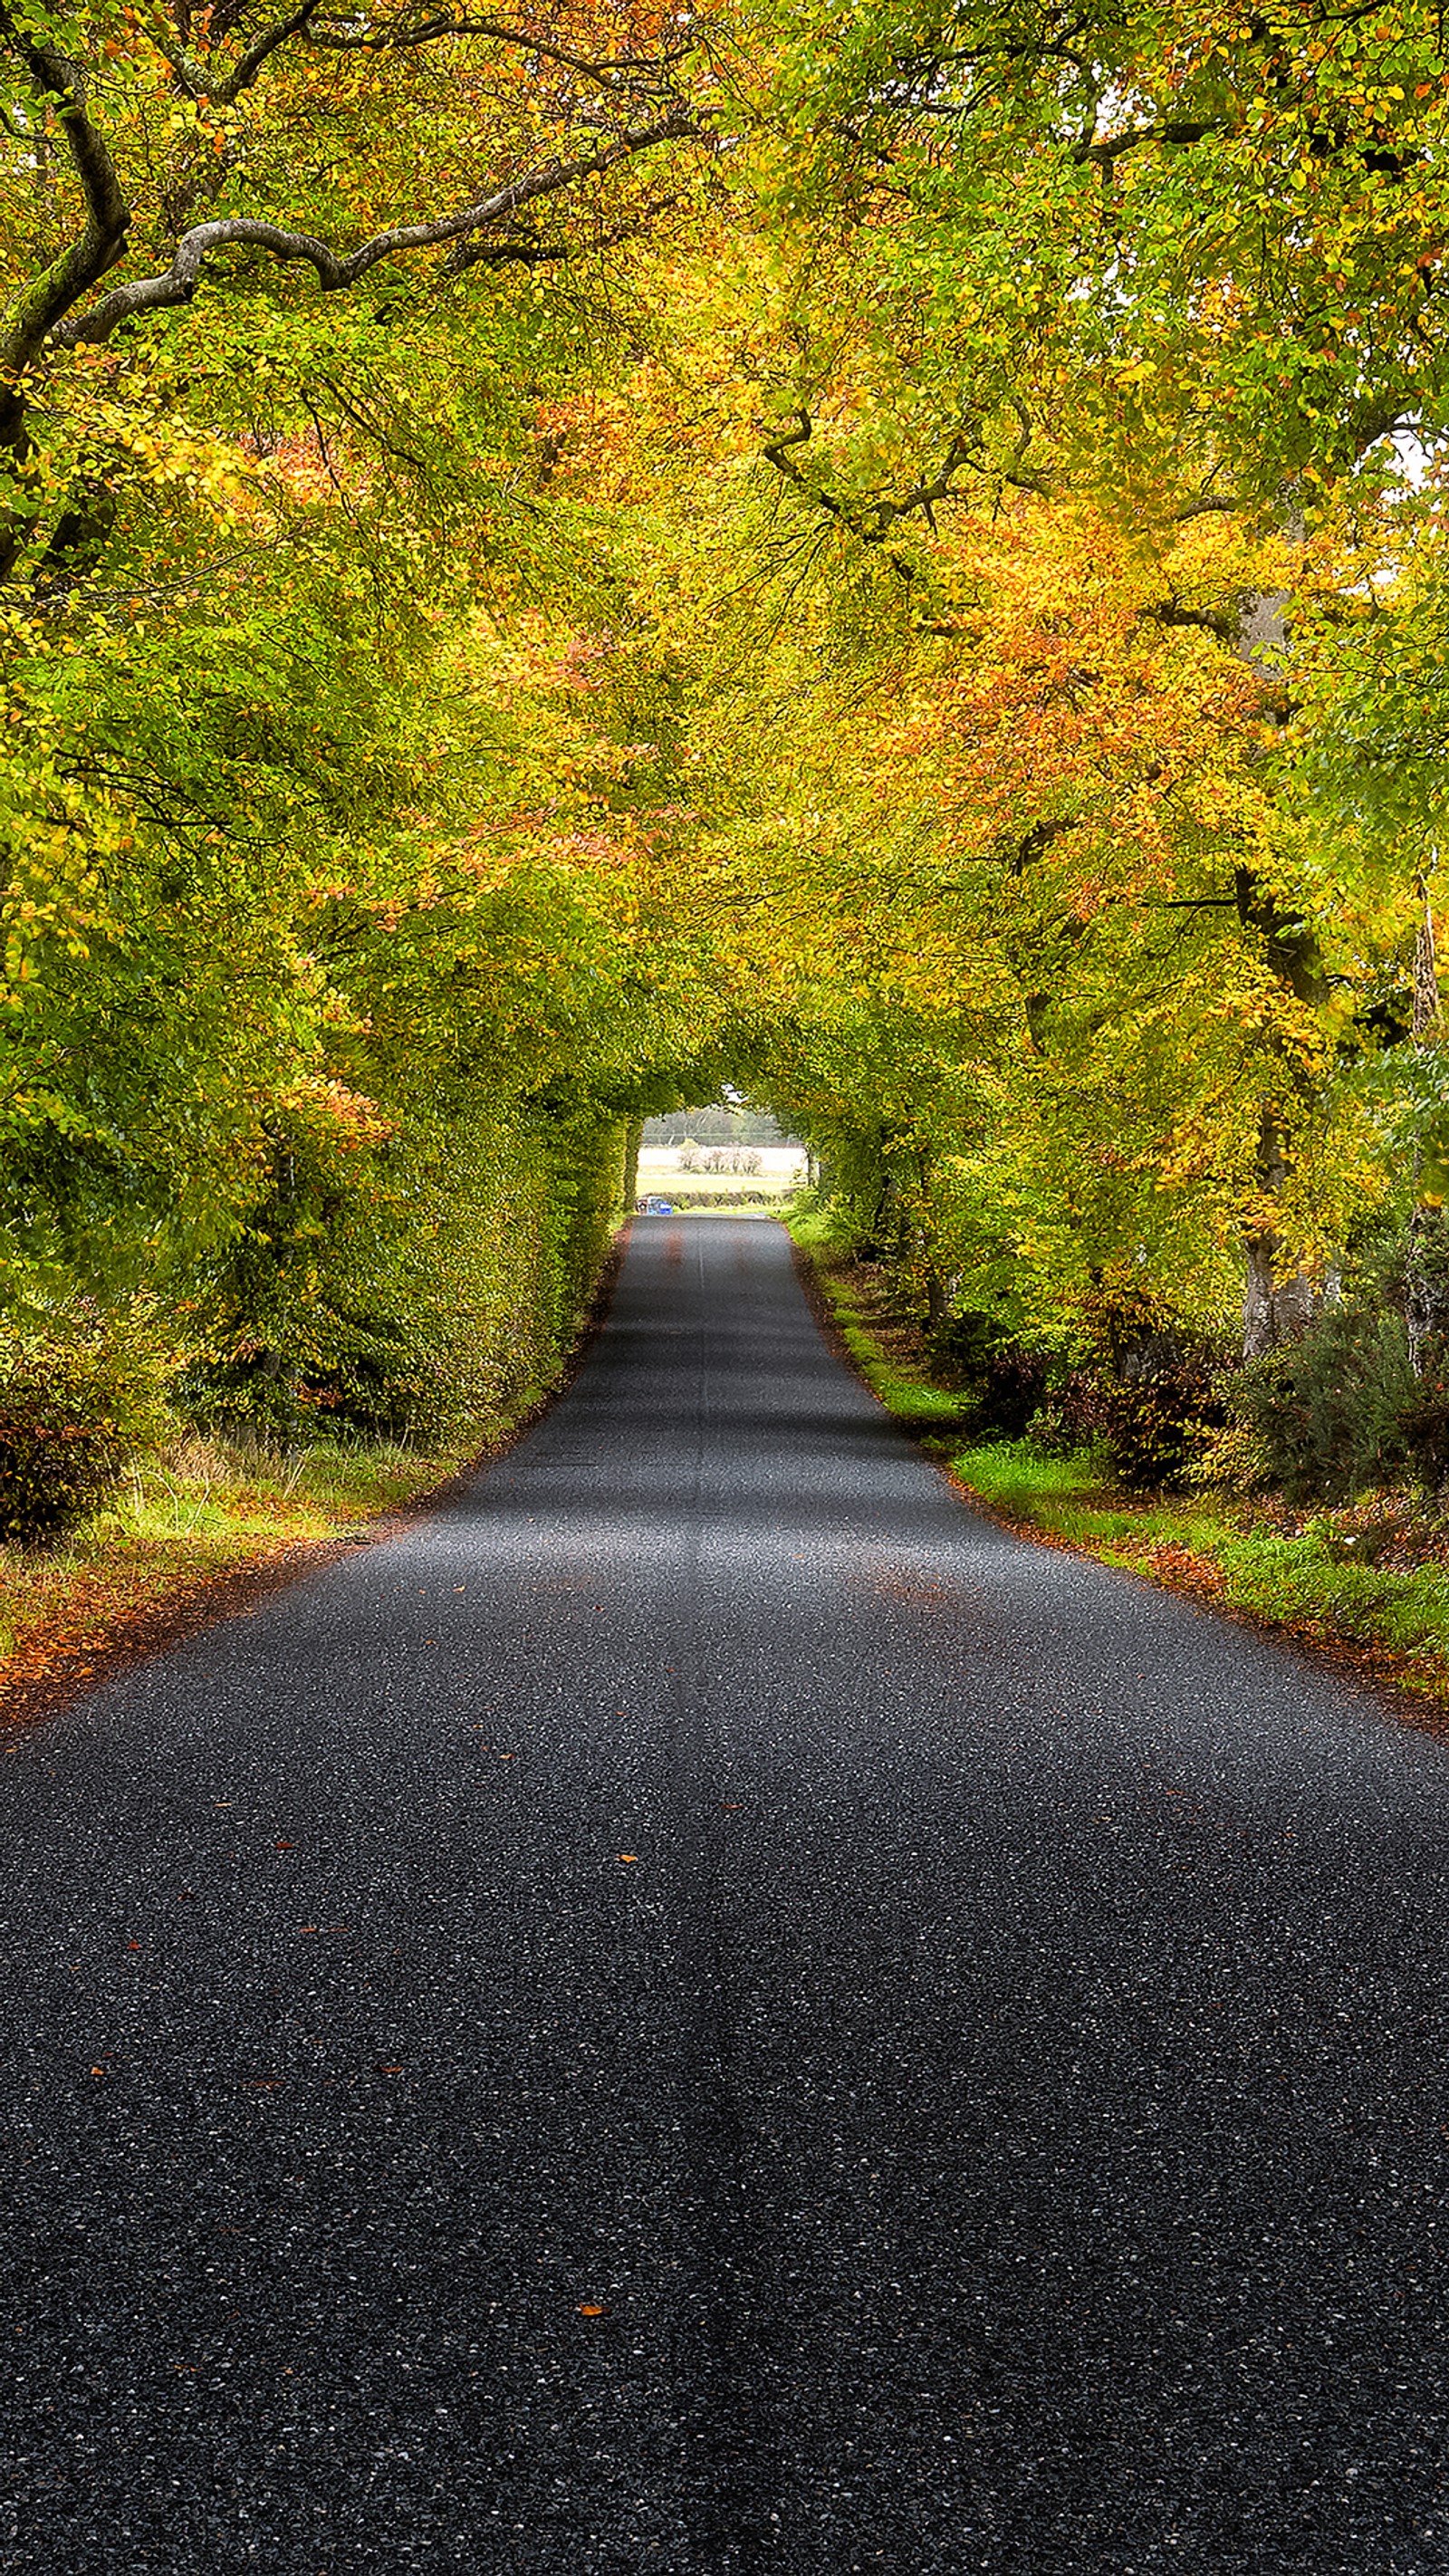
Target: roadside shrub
[
  {"x": 1154, "y": 1426},
  {"x": 1425, "y": 1417},
  {"x": 1235, "y": 1459},
  {"x": 428, "y": 1297},
  {"x": 1147, "y": 1394},
  {"x": 1341, "y": 1410},
  {"x": 77, "y": 1399},
  {"x": 821, "y": 1222},
  {"x": 1002, "y": 1382},
  {"x": 717, "y": 1197}
]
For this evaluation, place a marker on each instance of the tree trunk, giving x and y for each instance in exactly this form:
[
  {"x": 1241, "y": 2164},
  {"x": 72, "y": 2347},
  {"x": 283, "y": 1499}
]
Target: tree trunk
[
  {"x": 1426, "y": 1279},
  {"x": 1274, "y": 1314},
  {"x": 277, "y": 1229},
  {"x": 1273, "y": 1311}
]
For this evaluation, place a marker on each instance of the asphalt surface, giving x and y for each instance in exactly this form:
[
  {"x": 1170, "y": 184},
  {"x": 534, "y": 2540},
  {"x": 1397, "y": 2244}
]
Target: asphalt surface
[{"x": 708, "y": 2010}]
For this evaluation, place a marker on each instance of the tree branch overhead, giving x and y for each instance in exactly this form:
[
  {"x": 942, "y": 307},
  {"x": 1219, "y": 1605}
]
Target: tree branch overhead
[{"x": 338, "y": 270}]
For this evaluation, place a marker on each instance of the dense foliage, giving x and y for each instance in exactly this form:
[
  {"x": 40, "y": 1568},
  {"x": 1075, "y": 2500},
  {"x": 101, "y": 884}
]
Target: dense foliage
[{"x": 552, "y": 564}]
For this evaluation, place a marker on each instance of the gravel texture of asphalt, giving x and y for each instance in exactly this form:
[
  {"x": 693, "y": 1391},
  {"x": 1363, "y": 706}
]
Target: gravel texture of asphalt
[{"x": 707, "y": 2009}]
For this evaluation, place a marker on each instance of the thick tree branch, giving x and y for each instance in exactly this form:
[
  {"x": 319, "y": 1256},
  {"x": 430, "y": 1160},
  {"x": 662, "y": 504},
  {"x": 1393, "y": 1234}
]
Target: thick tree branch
[
  {"x": 872, "y": 522},
  {"x": 197, "y": 81},
  {"x": 1386, "y": 419},
  {"x": 31, "y": 318},
  {"x": 1035, "y": 843},
  {"x": 24, "y": 329},
  {"x": 1207, "y": 504},
  {"x": 358, "y": 35},
  {"x": 1179, "y": 131},
  {"x": 336, "y": 270},
  {"x": 363, "y": 33},
  {"x": 1213, "y": 621}
]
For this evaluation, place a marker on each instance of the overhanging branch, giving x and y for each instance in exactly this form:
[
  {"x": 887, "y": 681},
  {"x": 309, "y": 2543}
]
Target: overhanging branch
[
  {"x": 363, "y": 31},
  {"x": 361, "y": 35},
  {"x": 1181, "y": 131},
  {"x": 871, "y": 522},
  {"x": 337, "y": 270},
  {"x": 197, "y": 81},
  {"x": 61, "y": 84}
]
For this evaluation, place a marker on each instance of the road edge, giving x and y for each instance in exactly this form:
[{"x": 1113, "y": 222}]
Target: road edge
[
  {"x": 1378, "y": 1671},
  {"x": 197, "y": 1604}
]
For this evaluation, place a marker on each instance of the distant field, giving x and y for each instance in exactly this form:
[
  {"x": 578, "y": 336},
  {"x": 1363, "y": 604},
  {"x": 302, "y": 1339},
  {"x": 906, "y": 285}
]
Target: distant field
[{"x": 782, "y": 1169}]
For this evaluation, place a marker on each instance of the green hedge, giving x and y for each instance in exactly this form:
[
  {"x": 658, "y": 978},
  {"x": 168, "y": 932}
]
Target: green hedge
[
  {"x": 429, "y": 1293},
  {"x": 434, "y": 1302}
]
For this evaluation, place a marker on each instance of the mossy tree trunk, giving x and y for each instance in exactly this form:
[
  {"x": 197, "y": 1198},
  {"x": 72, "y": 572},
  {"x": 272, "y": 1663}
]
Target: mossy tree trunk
[{"x": 1426, "y": 1283}]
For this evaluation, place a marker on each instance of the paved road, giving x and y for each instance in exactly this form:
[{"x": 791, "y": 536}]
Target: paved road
[{"x": 998, "y": 2113}]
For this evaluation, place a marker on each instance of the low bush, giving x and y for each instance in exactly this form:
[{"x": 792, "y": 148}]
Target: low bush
[
  {"x": 1002, "y": 1382},
  {"x": 78, "y": 1397},
  {"x": 1153, "y": 1427},
  {"x": 820, "y": 1224},
  {"x": 1146, "y": 1392},
  {"x": 1341, "y": 1410}
]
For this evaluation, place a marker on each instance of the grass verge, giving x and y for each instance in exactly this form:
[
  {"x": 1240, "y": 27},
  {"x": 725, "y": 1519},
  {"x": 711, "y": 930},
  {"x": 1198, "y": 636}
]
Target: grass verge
[
  {"x": 205, "y": 1527},
  {"x": 184, "y": 1523},
  {"x": 1369, "y": 1582}
]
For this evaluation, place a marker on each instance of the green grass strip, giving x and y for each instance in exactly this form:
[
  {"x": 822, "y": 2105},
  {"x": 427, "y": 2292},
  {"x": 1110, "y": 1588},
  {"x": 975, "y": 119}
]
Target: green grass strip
[{"x": 1304, "y": 1581}]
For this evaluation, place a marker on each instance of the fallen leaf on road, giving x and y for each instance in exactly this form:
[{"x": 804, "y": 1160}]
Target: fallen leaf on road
[
  {"x": 628, "y": 1855},
  {"x": 587, "y": 2309}
]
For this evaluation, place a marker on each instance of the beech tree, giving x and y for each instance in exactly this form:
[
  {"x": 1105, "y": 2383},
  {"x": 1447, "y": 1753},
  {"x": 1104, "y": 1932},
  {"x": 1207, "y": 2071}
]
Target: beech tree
[
  {"x": 1192, "y": 256},
  {"x": 207, "y": 152},
  {"x": 300, "y": 996},
  {"x": 512, "y": 614}
]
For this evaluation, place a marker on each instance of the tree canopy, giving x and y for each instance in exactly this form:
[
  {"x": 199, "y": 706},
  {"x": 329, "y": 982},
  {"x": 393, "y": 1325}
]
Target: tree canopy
[{"x": 551, "y": 563}]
